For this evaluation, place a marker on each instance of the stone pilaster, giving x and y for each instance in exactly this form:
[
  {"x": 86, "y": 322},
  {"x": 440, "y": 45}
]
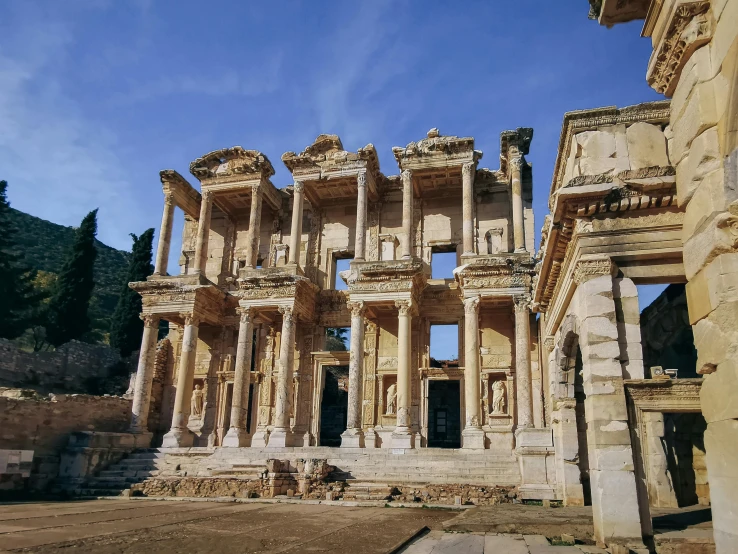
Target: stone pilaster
[
  {"x": 252, "y": 239},
  {"x": 165, "y": 236},
  {"x": 522, "y": 361},
  {"x": 407, "y": 213},
  {"x": 516, "y": 186},
  {"x": 280, "y": 435},
  {"x": 296, "y": 231},
  {"x": 473, "y": 436},
  {"x": 144, "y": 375},
  {"x": 361, "y": 216},
  {"x": 237, "y": 434},
  {"x": 402, "y": 436},
  {"x": 353, "y": 437},
  {"x": 468, "y": 171},
  {"x": 619, "y": 514},
  {"x": 203, "y": 231},
  {"x": 179, "y": 435}
]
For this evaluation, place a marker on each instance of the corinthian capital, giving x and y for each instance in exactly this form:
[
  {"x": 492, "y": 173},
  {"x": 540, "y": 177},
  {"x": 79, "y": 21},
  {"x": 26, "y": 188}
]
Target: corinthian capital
[
  {"x": 467, "y": 170},
  {"x": 245, "y": 314},
  {"x": 407, "y": 177},
  {"x": 286, "y": 311},
  {"x": 471, "y": 306},
  {"x": 357, "y": 308},
  {"x": 190, "y": 319},
  {"x": 404, "y": 307},
  {"x": 150, "y": 320},
  {"x": 517, "y": 163},
  {"x": 299, "y": 186},
  {"x": 522, "y": 302},
  {"x": 361, "y": 178}
]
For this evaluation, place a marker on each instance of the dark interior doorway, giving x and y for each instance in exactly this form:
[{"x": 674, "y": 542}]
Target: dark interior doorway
[
  {"x": 444, "y": 414},
  {"x": 334, "y": 407}
]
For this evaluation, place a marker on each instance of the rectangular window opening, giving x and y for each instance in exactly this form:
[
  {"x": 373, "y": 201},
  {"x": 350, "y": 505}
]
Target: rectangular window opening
[
  {"x": 339, "y": 265},
  {"x": 444, "y": 346},
  {"x": 337, "y": 339},
  {"x": 443, "y": 264}
]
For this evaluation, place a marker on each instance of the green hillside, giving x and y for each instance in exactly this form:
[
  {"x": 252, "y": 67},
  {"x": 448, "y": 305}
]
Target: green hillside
[{"x": 44, "y": 245}]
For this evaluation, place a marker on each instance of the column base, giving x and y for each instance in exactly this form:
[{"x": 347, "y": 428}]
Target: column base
[
  {"x": 472, "y": 438},
  {"x": 370, "y": 438},
  {"x": 260, "y": 438},
  {"x": 178, "y": 438},
  {"x": 236, "y": 438},
  {"x": 520, "y": 250},
  {"x": 352, "y": 438},
  {"x": 141, "y": 438},
  {"x": 403, "y": 440},
  {"x": 279, "y": 438}
]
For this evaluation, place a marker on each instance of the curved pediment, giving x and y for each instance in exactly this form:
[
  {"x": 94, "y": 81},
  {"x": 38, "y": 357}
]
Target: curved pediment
[{"x": 227, "y": 162}]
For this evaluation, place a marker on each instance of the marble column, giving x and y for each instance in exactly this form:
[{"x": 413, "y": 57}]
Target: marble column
[
  {"x": 407, "y": 214},
  {"x": 237, "y": 435},
  {"x": 361, "y": 207},
  {"x": 402, "y": 436},
  {"x": 296, "y": 232},
  {"x": 467, "y": 180},
  {"x": 144, "y": 375},
  {"x": 280, "y": 434},
  {"x": 523, "y": 396},
  {"x": 473, "y": 436},
  {"x": 252, "y": 239},
  {"x": 516, "y": 165},
  {"x": 165, "y": 236},
  {"x": 203, "y": 230},
  {"x": 353, "y": 437},
  {"x": 179, "y": 435}
]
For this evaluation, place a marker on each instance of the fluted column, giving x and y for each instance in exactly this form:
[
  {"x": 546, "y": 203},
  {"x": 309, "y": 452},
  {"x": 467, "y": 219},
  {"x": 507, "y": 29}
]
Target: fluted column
[
  {"x": 252, "y": 239},
  {"x": 516, "y": 165},
  {"x": 353, "y": 437},
  {"x": 361, "y": 206},
  {"x": 179, "y": 435},
  {"x": 165, "y": 236},
  {"x": 144, "y": 375},
  {"x": 203, "y": 230},
  {"x": 473, "y": 435},
  {"x": 280, "y": 434},
  {"x": 522, "y": 361},
  {"x": 467, "y": 180},
  {"x": 237, "y": 435},
  {"x": 407, "y": 213},
  {"x": 402, "y": 436},
  {"x": 296, "y": 232}
]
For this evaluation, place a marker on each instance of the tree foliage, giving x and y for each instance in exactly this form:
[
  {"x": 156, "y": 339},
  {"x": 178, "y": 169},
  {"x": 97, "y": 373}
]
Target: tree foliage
[
  {"x": 335, "y": 339},
  {"x": 68, "y": 314},
  {"x": 19, "y": 299},
  {"x": 126, "y": 326}
]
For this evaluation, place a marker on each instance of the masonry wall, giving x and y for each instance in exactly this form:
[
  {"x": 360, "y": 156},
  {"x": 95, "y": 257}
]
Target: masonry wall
[{"x": 44, "y": 424}]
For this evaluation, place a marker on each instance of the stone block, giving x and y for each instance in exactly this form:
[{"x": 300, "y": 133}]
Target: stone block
[
  {"x": 596, "y": 144},
  {"x": 614, "y": 506},
  {"x": 607, "y": 432},
  {"x": 725, "y": 32},
  {"x": 703, "y": 158},
  {"x": 721, "y": 445},
  {"x": 707, "y": 198},
  {"x": 646, "y": 146},
  {"x": 698, "y": 115},
  {"x": 534, "y": 438},
  {"x": 612, "y": 458},
  {"x": 718, "y": 394},
  {"x": 711, "y": 286}
]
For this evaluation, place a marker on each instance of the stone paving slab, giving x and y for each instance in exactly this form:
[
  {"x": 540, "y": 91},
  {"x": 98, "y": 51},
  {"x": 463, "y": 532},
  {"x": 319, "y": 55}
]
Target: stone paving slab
[{"x": 487, "y": 543}]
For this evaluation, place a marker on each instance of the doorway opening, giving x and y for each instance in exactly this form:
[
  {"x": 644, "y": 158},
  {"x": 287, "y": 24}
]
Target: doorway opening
[
  {"x": 444, "y": 414},
  {"x": 334, "y": 406}
]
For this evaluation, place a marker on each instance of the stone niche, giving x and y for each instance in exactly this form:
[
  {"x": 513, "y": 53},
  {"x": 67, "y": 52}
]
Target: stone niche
[{"x": 388, "y": 393}]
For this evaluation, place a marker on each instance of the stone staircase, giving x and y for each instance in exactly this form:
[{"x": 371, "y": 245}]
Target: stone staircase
[{"x": 369, "y": 474}]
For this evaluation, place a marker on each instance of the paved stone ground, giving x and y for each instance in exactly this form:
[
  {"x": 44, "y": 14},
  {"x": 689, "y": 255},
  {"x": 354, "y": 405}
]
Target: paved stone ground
[
  {"x": 441, "y": 542},
  {"x": 128, "y": 526}
]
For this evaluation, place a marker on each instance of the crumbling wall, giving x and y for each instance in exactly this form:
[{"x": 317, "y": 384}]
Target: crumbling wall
[{"x": 29, "y": 421}]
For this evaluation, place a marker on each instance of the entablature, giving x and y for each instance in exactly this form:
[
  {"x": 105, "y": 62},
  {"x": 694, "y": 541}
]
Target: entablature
[
  {"x": 274, "y": 288},
  {"x": 181, "y": 192},
  {"x": 495, "y": 275}
]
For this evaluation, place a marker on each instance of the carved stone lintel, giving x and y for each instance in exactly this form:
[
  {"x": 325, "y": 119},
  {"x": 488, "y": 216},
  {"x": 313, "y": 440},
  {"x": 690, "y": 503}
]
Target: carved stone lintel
[{"x": 591, "y": 269}]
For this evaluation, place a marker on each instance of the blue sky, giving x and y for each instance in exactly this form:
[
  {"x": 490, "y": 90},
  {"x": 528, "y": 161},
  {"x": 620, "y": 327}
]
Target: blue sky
[{"x": 97, "y": 96}]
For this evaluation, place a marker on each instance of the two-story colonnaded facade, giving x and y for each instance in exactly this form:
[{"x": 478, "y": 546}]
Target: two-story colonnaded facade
[{"x": 249, "y": 308}]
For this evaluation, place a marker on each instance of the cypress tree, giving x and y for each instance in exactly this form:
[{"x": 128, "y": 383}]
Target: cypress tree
[
  {"x": 68, "y": 316},
  {"x": 126, "y": 327},
  {"x": 19, "y": 299}
]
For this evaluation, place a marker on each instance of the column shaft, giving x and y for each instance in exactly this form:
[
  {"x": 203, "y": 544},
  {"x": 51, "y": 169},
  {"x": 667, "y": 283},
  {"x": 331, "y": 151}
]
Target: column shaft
[
  {"x": 522, "y": 362},
  {"x": 407, "y": 213},
  {"x": 203, "y": 230},
  {"x": 165, "y": 237},
  {"x": 402, "y": 436},
  {"x": 144, "y": 375},
  {"x": 361, "y": 207},
  {"x": 179, "y": 435},
  {"x": 279, "y": 436},
  {"x": 353, "y": 435},
  {"x": 237, "y": 434},
  {"x": 517, "y": 203},
  {"x": 296, "y": 232},
  {"x": 472, "y": 374},
  {"x": 252, "y": 239},
  {"x": 467, "y": 179}
]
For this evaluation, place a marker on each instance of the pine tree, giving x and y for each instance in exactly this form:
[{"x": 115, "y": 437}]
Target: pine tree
[
  {"x": 68, "y": 316},
  {"x": 19, "y": 299},
  {"x": 126, "y": 327}
]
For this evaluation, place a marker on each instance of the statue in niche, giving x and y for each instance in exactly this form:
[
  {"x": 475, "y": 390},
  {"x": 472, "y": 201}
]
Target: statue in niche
[
  {"x": 498, "y": 397},
  {"x": 391, "y": 399},
  {"x": 197, "y": 404}
]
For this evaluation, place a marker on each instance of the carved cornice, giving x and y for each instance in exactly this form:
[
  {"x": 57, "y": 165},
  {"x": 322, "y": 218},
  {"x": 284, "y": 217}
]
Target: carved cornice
[
  {"x": 326, "y": 154},
  {"x": 224, "y": 164},
  {"x": 690, "y": 27},
  {"x": 449, "y": 148},
  {"x": 496, "y": 272}
]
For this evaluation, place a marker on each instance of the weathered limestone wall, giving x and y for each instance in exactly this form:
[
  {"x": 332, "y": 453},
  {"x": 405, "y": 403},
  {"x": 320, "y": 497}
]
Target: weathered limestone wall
[
  {"x": 45, "y": 424},
  {"x": 492, "y": 217},
  {"x": 68, "y": 368}
]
